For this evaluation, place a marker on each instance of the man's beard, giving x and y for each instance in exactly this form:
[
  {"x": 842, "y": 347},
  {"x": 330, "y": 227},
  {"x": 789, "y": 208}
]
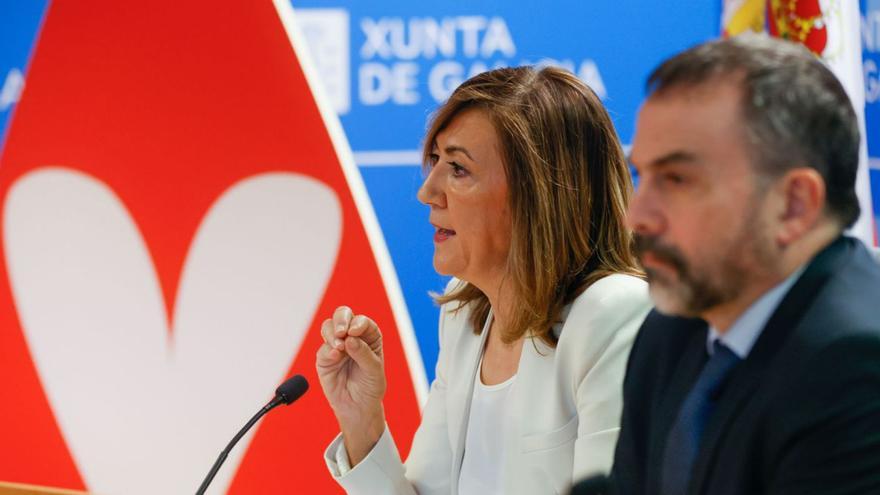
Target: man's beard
[
  {"x": 693, "y": 289},
  {"x": 689, "y": 292}
]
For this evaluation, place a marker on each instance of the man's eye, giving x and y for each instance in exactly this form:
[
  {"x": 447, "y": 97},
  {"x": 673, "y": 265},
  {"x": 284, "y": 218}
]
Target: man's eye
[{"x": 673, "y": 178}]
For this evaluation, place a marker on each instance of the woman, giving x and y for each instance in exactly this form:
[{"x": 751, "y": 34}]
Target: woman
[{"x": 527, "y": 186}]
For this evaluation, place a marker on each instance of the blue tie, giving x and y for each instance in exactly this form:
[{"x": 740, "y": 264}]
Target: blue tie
[{"x": 683, "y": 442}]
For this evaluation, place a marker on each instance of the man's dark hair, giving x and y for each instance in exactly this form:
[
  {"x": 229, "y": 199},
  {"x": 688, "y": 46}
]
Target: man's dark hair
[{"x": 796, "y": 112}]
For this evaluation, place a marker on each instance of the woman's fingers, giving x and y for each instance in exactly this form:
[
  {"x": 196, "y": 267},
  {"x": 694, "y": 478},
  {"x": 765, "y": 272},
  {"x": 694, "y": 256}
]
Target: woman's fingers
[
  {"x": 328, "y": 333},
  {"x": 365, "y": 358},
  {"x": 359, "y": 325},
  {"x": 344, "y": 324},
  {"x": 328, "y": 356},
  {"x": 367, "y": 330},
  {"x": 341, "y": 321},
  {"x": 339, "y": 330}
]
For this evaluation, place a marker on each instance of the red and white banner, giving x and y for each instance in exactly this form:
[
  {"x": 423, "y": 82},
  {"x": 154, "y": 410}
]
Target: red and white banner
[{"x": 178, "y": 217}]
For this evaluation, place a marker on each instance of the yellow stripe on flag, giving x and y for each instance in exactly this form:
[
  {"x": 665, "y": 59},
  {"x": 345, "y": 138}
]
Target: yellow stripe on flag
[{"x": 748, "y": 15}]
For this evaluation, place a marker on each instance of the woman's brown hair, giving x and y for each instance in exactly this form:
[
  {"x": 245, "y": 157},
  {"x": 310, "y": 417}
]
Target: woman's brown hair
[{"x": 568, "y": 184}]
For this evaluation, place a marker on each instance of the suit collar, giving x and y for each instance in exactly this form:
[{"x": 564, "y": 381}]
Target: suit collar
[{"x": 747, "y": 376}]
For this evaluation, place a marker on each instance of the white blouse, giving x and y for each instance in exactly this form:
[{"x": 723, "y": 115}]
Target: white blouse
[{"x": 485, "y": 443}]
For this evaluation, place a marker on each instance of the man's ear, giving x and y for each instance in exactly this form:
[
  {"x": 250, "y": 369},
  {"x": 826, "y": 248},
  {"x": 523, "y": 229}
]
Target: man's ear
[{"x": 803, "y": 202}]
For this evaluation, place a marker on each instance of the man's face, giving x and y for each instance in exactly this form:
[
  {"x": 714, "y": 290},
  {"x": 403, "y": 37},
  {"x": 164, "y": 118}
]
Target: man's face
[{"x": 696, "y": 214}]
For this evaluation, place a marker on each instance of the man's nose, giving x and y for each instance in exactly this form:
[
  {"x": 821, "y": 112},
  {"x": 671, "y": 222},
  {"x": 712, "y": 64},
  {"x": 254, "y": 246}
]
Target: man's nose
[{"x": 643, "y": 215}]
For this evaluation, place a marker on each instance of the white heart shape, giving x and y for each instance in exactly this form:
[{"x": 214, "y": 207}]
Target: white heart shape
[{"x": 141, "y": 412}]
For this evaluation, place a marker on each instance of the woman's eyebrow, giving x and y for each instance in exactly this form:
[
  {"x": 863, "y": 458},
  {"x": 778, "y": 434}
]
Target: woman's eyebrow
[{"x": 453, "y": 148}]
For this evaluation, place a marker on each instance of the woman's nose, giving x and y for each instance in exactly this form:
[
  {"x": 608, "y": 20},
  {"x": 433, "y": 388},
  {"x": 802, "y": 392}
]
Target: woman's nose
[{"x": 430, "y": 193}]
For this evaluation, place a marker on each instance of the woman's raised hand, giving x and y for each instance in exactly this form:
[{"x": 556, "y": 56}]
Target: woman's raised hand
[{"x": 351, "y": 370}]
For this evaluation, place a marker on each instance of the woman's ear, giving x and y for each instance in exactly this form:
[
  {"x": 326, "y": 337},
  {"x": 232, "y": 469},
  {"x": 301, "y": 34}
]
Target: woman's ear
[{"x": 803, "y": 202}]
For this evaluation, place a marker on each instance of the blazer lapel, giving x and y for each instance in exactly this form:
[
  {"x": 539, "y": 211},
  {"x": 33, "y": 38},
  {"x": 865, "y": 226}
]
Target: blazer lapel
[
  {"x": 686, "y": 371},
  {"x": 458, "y": 425},
  {"x": 746, "y": 378},
  {"x": 532, "y": 401}
]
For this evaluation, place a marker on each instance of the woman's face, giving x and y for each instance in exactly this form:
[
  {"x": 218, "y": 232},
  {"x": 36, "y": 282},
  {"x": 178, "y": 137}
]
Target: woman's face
[{"x": 466, "y": 189}]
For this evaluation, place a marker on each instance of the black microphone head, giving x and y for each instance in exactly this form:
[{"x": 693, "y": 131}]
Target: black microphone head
[{"x": 292, "y": 389}]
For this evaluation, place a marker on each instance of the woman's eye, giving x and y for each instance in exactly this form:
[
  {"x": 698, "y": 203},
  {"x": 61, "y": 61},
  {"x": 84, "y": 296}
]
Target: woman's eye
[
  {"x": 457, "y": 170},
  {"x": 433, "y": 158}
]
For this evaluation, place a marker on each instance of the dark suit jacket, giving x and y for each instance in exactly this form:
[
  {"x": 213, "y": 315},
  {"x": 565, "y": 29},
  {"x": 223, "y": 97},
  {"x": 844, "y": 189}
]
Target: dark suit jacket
[{"x": 800, "y": 415}]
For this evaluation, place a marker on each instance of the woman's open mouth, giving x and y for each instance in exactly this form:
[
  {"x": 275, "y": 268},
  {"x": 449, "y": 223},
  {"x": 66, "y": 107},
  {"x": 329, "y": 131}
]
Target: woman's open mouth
[{"x": 442, "y": 234}]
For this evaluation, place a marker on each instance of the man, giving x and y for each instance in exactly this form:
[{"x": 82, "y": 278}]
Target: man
[{"x": 759, "y": 370}]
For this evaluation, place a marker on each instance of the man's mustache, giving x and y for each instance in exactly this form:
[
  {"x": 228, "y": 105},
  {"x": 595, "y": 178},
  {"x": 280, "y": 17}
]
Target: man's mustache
[{"x": 664, "y": 252}]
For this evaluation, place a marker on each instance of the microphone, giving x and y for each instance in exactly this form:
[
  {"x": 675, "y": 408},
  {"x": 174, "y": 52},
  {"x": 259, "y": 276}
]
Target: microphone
[
  {"x": 594, "y": 485},
  {"x": 292, "y": 389}
]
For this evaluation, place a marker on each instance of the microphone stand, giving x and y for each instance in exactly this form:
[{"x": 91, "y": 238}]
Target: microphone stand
[
  {"x": 219, "y": 462},
  {"x": 289, "y": 391}
]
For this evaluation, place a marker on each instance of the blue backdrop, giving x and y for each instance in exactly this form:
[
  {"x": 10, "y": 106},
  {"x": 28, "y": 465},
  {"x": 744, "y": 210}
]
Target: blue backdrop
[{"x": 871, "y": 57}]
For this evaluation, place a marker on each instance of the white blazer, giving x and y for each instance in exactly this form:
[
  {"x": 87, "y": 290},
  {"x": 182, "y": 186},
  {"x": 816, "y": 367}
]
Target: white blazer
[{"x": 565, "y": 403}]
